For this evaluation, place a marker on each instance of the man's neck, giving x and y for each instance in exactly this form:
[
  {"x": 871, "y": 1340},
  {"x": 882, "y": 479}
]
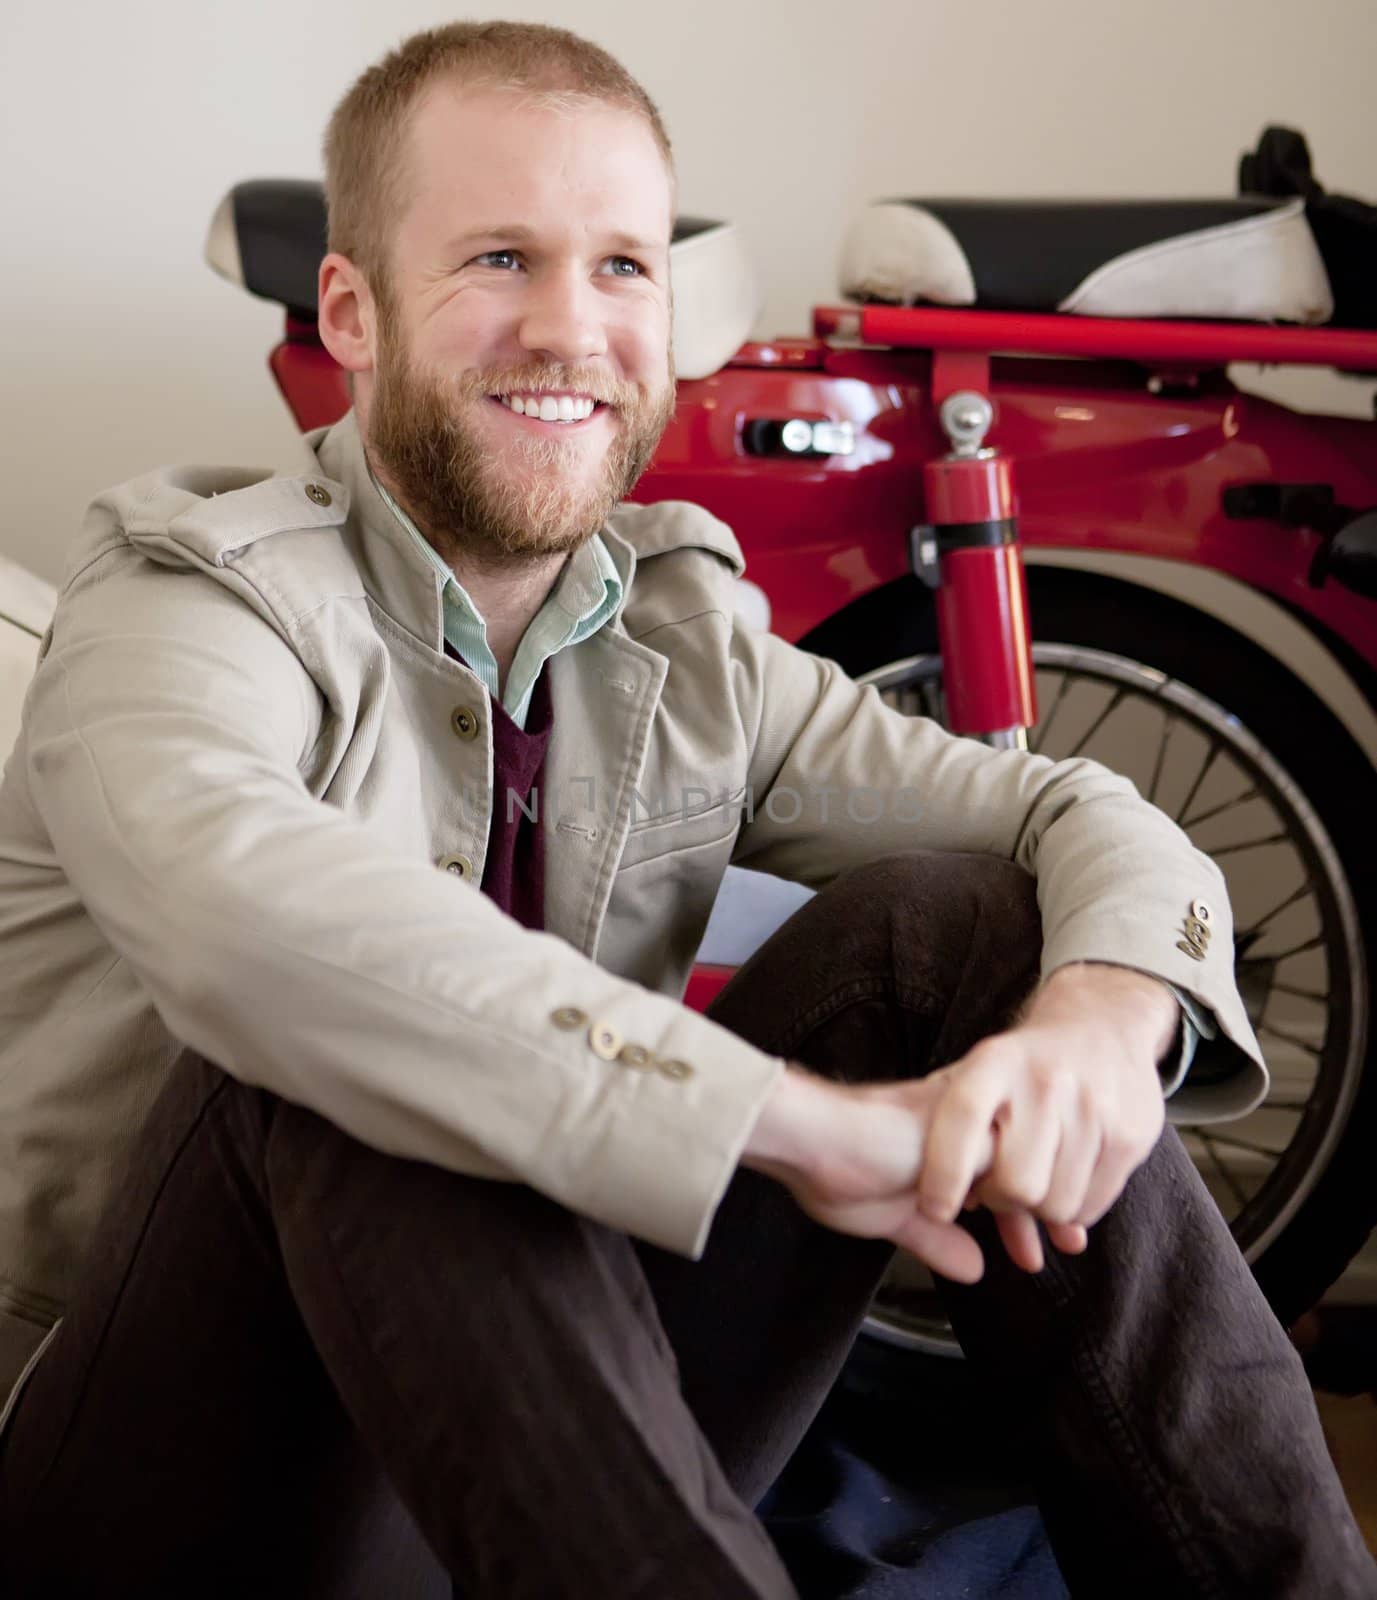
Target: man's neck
[
  {"x": 506, "y": 593},
  {"x": 506, "y": 599}
]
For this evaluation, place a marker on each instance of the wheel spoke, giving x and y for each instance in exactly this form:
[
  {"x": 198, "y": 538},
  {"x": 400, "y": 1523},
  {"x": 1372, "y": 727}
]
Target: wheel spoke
[
  {"x": 1236, "y": 1143},
  {"x": 1062, "y": 688},
  {"x": 1249, "y": 844},
  {"x": 1306, "y": 888},
  {"x": 1289, "y": 1038},
  {"x": 1284, "y": 1105},
  {"x": 1230, "y": 1182},
  {"x": 1227, "y": 805},
  {"x": 1298, "y": 949},
  {"x": 1115, "y": 701},
  {"x": 1300, "y": 994},
  {"x": 1210, "y": 756},
  {"x": 1168, "y": 726}
]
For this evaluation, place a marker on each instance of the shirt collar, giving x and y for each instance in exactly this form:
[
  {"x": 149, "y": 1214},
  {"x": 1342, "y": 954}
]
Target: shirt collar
[{"x": 588, "y": 582}]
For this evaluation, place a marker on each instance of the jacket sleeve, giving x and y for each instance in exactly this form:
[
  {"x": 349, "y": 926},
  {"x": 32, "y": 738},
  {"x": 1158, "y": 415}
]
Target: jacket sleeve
[
  {"x": 839, "y": 777},
  {"x": 165, "y": 734}
]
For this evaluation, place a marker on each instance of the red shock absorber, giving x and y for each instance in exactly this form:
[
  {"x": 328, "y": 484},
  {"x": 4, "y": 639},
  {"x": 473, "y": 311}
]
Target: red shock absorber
[{"x": 982, "y": 594}]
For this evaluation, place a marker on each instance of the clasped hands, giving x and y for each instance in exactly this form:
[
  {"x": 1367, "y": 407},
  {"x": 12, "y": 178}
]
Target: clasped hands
[{"x": 1044, "y": 1122}]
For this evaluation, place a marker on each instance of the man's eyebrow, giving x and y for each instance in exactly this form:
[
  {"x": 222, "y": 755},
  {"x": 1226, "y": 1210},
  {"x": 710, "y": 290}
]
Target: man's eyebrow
[{"x": 518, "y": 233}]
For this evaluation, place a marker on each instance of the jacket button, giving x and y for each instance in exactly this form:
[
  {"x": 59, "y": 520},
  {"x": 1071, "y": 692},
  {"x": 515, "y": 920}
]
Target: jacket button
[
  {"x": 604, "y": 1040},
  {"x": 678, "y": 1070},
  {"x": 568, "y": 1017},
  {"x": 319, "y": 493},
  {"x": 464, "y": 722},
  {"x": 460, "y": 866},
  {"x": 634, "y": 1055}
]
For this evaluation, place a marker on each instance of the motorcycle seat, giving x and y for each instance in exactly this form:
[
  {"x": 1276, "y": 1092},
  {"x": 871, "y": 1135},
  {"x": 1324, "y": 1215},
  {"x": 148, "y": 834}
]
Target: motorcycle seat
[
  {"x": 269, "y": 234},
  {"x": 1249, "y": 259}
]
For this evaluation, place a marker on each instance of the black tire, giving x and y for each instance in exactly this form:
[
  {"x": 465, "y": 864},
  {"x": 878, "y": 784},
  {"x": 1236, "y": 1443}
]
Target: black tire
[{"x": 1304, "y": 738}]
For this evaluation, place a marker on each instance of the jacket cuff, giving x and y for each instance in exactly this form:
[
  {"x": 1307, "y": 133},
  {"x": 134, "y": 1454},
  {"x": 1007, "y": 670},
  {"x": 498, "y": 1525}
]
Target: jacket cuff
[
  {"x": 1195, "y": 1024},
  {"x": 687, "y": 1094}
]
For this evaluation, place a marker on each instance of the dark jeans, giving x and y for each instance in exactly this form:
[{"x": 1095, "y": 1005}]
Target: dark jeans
[{"x": 288, "y": 1352}]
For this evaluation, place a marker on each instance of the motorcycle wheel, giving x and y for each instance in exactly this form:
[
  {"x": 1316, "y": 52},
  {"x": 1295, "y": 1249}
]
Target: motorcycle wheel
[{"x": 1268, "y": 782}]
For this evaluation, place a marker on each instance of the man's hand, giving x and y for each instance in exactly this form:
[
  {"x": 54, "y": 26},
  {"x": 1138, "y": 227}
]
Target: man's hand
[
  {"x": 1070, "y": 1094},
  {"x": 1045, "y": 1121}
]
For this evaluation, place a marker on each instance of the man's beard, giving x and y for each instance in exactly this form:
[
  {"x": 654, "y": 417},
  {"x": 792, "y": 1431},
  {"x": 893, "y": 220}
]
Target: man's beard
[{"x": 443, "y": 472}]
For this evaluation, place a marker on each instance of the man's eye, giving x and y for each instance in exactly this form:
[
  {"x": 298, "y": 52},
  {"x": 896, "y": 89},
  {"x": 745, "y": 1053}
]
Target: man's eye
[
  {"x": 625, "y": 267},
  {"x": 504, "y": 259}
]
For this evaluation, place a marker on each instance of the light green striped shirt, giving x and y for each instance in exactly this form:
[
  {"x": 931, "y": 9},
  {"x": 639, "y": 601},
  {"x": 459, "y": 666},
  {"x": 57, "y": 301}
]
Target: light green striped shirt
[{"x": 585, "y": 594}]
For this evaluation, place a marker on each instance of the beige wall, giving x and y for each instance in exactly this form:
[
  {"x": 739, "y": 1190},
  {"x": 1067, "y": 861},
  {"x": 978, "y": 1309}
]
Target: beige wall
[{"x": 122, "y": 124}]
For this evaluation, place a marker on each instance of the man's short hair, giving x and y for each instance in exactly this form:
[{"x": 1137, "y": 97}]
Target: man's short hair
[{"x": 365, "y": 142}]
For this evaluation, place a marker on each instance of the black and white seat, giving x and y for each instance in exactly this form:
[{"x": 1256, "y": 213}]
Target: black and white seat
[
  {"x": 1252, "y": 259},
  {"x": 268, "y": 236}
]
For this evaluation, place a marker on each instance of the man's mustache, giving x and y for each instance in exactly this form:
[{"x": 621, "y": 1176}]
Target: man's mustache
[{"x": 599, "y": 386}]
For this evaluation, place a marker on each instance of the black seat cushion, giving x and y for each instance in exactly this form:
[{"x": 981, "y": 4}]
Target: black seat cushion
[
  {"x": 1029, "y": 255},
  {"x": 1249, "y": 258}
]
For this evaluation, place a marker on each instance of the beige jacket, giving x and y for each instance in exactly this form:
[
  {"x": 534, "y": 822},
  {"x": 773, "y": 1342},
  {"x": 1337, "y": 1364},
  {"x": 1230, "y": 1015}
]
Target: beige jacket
[{"x": 244, "y": 754}]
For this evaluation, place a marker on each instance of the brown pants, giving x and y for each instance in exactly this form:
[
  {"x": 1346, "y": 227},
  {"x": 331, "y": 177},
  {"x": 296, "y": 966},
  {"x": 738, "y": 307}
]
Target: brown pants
[{"x": 288, "y": 1353}]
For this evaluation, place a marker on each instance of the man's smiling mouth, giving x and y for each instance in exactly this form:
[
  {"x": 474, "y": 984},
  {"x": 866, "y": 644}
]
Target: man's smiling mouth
[{"x": 550, "y": 407}]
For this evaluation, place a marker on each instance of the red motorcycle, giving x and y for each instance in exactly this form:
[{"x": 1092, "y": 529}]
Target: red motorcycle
[{"x": 1181, "y": 582}]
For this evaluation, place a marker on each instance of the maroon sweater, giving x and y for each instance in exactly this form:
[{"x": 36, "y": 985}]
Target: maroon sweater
[{"x": 514, "y": 870}]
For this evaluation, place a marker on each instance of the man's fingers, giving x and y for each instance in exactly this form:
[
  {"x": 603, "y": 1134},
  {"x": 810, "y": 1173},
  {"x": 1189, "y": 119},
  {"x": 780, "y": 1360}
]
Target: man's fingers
[
  {"x": 1075, "y": 1168},
  {"x": 943, "y": 1246},
  {"x": 1068, "y": 1237},
  {"x": 959, "y": 1144},
  {"x": 1117, "y": 1160},
  {"x": 1030, "y": 1131},
  {"x": 1019, "y": 1233}
]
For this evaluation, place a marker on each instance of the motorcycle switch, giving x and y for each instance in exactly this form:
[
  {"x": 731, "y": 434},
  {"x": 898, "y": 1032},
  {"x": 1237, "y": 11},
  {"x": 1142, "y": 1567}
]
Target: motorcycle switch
[{"x": 797, "y": 436}]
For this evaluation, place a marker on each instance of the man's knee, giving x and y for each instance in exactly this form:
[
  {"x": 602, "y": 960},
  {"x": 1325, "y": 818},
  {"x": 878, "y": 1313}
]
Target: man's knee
[
  {"x": 951, "y": 891},
  {"x": 945, "y": 934},
  {"x": 928, "y": 915}
]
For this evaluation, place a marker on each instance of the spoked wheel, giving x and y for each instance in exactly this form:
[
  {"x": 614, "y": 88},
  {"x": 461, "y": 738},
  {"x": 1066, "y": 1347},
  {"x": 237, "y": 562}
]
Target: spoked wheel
[{"x": 1260, "y": 776}]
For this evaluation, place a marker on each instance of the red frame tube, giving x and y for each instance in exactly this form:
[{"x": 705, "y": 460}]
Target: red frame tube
[{"x": 1109, "y": 338}]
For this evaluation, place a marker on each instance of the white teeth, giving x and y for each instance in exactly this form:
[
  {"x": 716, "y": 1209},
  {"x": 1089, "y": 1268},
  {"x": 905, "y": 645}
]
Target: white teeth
[{"x": 551, "y": 408}]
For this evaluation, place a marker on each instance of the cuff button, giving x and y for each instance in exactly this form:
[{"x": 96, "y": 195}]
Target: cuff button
[
  {"x": 604, "y": 1040},
  {"x": 634, "y": 1055},
  {"x": 1201, "y": 912},
  {"x": 568, "y": 1017},
  {"x": 678, "y": 1070}
]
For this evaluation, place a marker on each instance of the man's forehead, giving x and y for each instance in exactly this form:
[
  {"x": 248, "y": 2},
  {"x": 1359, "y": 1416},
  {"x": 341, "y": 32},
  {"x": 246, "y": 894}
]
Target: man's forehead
[{"x": 482, "y": 157}]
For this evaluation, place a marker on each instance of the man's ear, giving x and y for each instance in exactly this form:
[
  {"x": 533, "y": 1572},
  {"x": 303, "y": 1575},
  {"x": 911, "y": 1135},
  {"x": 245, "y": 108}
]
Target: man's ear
[{"x": 347, "y": 316}]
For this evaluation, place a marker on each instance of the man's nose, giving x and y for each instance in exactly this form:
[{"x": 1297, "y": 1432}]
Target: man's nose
[{"x": 561, "y": 318}]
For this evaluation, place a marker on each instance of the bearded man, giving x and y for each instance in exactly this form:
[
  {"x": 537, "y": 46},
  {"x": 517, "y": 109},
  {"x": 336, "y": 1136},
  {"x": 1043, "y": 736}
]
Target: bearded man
[{"x": 374, "y": 1215}]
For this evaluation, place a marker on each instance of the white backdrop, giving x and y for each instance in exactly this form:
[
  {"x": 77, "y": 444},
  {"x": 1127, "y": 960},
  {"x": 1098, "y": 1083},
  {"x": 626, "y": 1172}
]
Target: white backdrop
[{"x": 123, "y": 121}]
